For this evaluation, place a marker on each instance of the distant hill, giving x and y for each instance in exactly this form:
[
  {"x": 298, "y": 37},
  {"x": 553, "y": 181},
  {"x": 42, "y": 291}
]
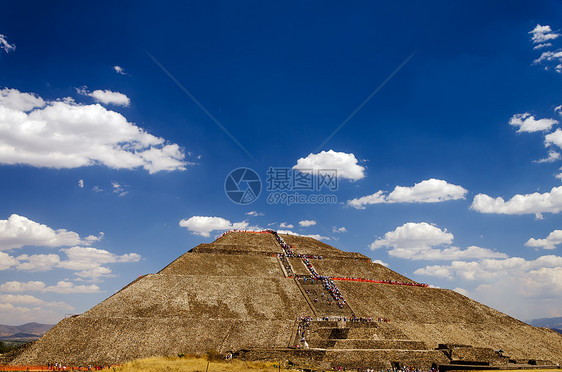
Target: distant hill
[
  {"x": 552, "y": 323},
  {"x": 20, "y": 337},
  {"x": 35, "y": 329}
]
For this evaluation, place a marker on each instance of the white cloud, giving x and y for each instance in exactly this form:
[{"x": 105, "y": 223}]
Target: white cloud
[
  {"x": 7, "y": 261},
  {"x": 81, "y": 183},
  {"x": 552, "y": 57},
  {"x": 120, "y": 70},
  {"x": 491, "y": 269},
  {"x": 18, "y": 231},
  {"x": 558, "y": 109},
  {"x": 422, "y": 241},
  {"x": 462, "y": 291},
  {"x": 118, "y": 189},
  {"x": 20, "y": 314},
  {"x": 542, "y": 34},
  {"x": 17, "y": 100},
  {"x": 254, "y": 214},
  {"x": 523, "y": 288},
  {"x": 92, "y": 239},
  {"x": 550, "y": 242},
  {"x": 554, "y": 138},
  {"x": 203, "y": 226},
  {"x": 285, "y": 225},
  {"x": 534, "y": 203},
  {"x": 540, "y": 46},
  {"x": 64, "y": 134},
  {"x": 15, "y": 286},
  {"x": 307, "y": 223},
  {"x": 527, "y": 123},
  {"x": 65, "y": 287},
  {"x": 107, "y": 97},
  {"x": 37, "y": 262},
  {"x": 336, "y": 229},
  {"x": 20, "y": 299},
  {"x": 313, "y": 236},
  {"x": 32, "y": 301},
  {"x": 345, "y": 164},
  {"x": 380, "y": 263},
  {"x": 428, "y": 191},
  {"x": 62, "y": 287},
  {"x": 88, "y": 261},
  {"x": 552, "y": 157},
  {"x": 7, "y": 47}
]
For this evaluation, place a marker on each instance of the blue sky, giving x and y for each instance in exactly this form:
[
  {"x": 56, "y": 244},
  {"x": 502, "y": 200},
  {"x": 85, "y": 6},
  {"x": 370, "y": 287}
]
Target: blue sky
[{"x": 449, "y": 173}]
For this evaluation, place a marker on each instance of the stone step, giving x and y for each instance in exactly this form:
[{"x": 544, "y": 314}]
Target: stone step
[
  {"x": 382, "y": 331},
  {"x": 383, "y": 359},
  {"x": 323, "y": 301},
  {"x": 368, "y": 344}
]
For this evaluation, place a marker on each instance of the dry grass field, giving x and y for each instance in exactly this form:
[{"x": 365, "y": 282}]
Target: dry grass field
[{"x": 194, "y": 364}]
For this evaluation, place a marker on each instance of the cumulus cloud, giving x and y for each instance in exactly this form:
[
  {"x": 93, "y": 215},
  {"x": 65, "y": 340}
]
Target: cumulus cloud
[
  {"x": 37, "y": 262},
  {"x": 345, "y": 164},
  {"x": 552, "y": 157},
  {"x": 64, "y": 134},
  {"x": 5, "y": 46},
  {"x": 118, "y": 189},
  {"x": 428, "y": 191},
  {"x": 107, "y": 97},
  {"x": 88, "y": 261},
  {"x": 15, "y": 286},
  {"x": 81, "y": 183},
  {"x": 527, "y": 123},
  {"x": 380, "y": 263},
  {"x": 534, "y": 203},
  {"x": 285, "y": 225},
  {"x": 550, "y": 242},
  {"x": 554, "y": 138},
  {"x": 254, "y": 214},
  {"x": 7, "y": 261},
  {"x": 18, "y": 231},
  {"x": 120, "y": 70},
  {"x": 462, "y": 291},
  {"x": 65, "y": 287},
  {"x": 493, "y": 269},
  {"x": 422, "y": 241},
  {"x": 336, "y": 229},
  {"x": 541, "y": 46},
  {"x": 33, "y": 301},
  {"x": 92, "y": 238},
  {"x": 550, "y": 58},
  {"x": 19, "y": 101},
  {"x": 203, "y": 225},
  {"x": 24, "y": 314},
  {"x": 20, "y": 299},
  {"x": 307, "y": 223},
  {"x": 540, "y": 34}
]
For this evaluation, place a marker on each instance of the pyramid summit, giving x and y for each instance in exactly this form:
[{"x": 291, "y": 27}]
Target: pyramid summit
[{"x": 264, "y": 295}]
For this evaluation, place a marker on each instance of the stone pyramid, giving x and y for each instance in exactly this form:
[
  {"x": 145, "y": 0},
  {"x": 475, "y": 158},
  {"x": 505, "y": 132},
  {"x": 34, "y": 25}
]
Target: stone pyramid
[{"x": 264, "y": 295}]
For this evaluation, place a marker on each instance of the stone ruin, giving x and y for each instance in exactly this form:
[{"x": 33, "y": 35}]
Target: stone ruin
[{"x": 277, "y": 297}]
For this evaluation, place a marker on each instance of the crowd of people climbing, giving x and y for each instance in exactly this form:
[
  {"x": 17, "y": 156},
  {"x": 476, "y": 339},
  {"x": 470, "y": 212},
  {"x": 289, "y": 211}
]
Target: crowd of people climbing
[
  {"x": 395, "y": 282},
  {"x": 401, "y": 369}
]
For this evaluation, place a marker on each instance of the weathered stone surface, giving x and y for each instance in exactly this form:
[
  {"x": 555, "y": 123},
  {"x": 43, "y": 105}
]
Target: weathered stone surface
[{"x": 233, "y": 295}]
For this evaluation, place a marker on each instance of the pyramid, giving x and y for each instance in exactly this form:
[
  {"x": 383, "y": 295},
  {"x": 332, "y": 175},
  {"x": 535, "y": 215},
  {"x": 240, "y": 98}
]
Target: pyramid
[{"x": 264, "y": 295}]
